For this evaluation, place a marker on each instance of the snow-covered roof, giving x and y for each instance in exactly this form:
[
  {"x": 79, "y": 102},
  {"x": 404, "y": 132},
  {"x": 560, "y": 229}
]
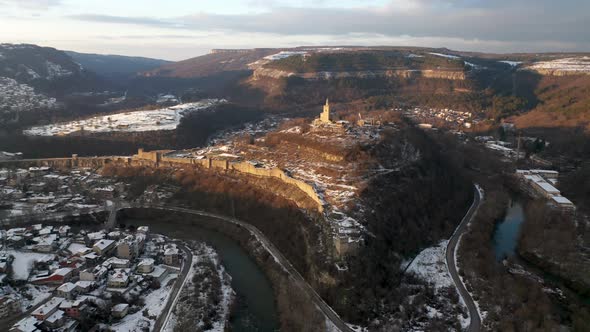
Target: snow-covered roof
[
  {"x": 120, "y": 307},
  {"x": 27, "y": 324},
  {"x": 561, "y": 200},
  {"x": 64, "y": 271},
  {"x": 49, "y": 306},
  {"x": 115, "y": 261},
  {"x": 96, "y": 235},
  {"x": 67, "y": 287},
  {"x": 55, "y": 317},
  {"x": 84, "y": 284},
  {"x": 119, "y": 276},
  {"x": 77, "y": 248},
  {"x": 146, "y": 262},
  {"x": 103, "y": 244},
  {"x": 547, "y": 187}
]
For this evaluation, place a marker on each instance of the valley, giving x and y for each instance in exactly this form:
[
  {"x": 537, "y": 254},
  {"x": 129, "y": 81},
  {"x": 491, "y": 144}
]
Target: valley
[{"x": 336, "y": 176}]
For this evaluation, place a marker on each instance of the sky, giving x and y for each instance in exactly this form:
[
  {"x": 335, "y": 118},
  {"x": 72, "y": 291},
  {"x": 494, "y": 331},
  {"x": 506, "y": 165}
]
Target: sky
[{"x": 181, "y": 29}]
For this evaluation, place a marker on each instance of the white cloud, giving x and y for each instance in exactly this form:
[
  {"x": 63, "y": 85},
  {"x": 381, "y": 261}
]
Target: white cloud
[{"x": 31, "y": 4}]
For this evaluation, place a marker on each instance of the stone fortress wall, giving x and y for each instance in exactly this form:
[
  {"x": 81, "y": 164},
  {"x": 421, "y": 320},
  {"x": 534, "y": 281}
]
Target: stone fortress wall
[{"x": 160, "y": 158}]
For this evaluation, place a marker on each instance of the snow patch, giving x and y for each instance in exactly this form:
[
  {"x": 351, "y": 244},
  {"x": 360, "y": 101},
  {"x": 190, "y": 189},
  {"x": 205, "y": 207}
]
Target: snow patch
[
  {"x": 573, "y": 65},
  {"x": 160, "y": 119},
  {"x": 448, "y": 56},
  {"x": 430, "y": 265}
]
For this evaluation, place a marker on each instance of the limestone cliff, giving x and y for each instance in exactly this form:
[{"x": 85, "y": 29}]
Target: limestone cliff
[{"x": 449, "y": 74}]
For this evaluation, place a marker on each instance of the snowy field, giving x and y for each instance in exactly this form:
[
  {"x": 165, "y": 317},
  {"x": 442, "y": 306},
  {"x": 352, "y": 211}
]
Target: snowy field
[
  {"x": 430, "y": 266},
  {"x": 23, "y": 262},
  {"x": 573, "y": 65},
  {"x": 160, "y": 119},
  {"x": 283, "y": 55}
]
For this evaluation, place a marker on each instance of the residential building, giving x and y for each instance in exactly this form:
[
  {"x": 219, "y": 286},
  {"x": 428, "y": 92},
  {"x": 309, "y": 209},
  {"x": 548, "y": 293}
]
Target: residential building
[
  {"x": 118, "y": 279},
  {"x": 103, "y": 247},
  {"x": 67, "y": 291},
  {"x": 120, "y": 310},
  {"x": 171, "y": 255},
  {"x": 8, "y": 306},
  {"x": 48, "y": 309},
  {"x": 145, "y": 266}
]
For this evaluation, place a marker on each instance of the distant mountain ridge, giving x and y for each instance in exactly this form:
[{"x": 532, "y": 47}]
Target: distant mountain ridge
[
  {"x": 115, "y": 65},
  {"x": 30, "y": 63}
]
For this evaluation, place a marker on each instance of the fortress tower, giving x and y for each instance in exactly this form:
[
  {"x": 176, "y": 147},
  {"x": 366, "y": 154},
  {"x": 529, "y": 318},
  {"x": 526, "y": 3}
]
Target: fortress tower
[{"x": 325, "y": 116}]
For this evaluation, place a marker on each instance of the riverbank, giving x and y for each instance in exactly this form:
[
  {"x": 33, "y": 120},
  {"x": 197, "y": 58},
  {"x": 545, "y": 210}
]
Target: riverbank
[{"x": 296, "y": 311}]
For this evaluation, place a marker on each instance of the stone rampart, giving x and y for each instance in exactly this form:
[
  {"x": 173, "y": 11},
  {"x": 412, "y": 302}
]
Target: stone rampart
[
  {"x": 74, "y": 161},
  {"x": 159, "y": 158}
]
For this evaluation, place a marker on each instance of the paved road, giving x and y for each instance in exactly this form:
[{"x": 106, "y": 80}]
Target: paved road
[
  {"x": 303, "y": 285},
  {"x": 475, "y": 323},
  {"x": 172, "y": 299}
]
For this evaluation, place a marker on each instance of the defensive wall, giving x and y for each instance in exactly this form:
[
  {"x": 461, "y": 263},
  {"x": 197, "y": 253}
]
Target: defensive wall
[
  {"x": 74, "y": 161},
  {"x": 160, "y": 159}
]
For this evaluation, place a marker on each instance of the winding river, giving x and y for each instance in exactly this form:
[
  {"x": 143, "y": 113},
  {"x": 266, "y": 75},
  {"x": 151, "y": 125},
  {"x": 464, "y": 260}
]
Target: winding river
[{"x": 255, "y": 308}]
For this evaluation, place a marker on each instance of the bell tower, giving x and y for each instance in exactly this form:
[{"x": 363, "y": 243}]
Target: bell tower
[{"x": 325, "y": 116}]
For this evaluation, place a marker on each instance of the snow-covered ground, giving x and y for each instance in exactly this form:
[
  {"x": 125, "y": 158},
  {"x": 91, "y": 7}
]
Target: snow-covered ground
[
  {"x": 193, "y": 310},
  {"x": 511, "y": 63},
  {"x": 448, "y": 56},
  {"x": 283, "y": 55},
  {"x": 572, "y": 65},
  {"x": 154, "y": 304},
  {"x": 161, "y": 119},
  {"x": 23, "y": 262},
  {"x": 430, "y": 265}
]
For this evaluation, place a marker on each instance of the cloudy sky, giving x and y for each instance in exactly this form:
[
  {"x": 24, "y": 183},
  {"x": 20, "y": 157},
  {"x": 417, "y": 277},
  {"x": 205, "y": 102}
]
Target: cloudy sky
[{"x": 180, "y": 29}]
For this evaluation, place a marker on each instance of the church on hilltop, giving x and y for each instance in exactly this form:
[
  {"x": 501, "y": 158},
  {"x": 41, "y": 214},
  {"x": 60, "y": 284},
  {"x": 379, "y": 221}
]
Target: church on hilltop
[{"x": 325, "y": 117}]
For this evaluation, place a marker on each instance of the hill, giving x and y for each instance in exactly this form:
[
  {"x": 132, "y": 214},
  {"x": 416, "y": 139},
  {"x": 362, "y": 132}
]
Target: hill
[
  {"x": 45, "y": 69},
  {"x": 115, "y": 65},
  {"x": 216, "y": 62},
  {"x": 555, "y": 101}
]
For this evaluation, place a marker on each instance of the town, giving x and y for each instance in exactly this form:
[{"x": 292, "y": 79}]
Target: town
[{"x": 61, "y": 279}]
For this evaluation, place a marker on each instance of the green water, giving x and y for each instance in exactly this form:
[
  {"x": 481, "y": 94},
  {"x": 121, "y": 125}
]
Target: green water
[{"x": 255, "y": 308}]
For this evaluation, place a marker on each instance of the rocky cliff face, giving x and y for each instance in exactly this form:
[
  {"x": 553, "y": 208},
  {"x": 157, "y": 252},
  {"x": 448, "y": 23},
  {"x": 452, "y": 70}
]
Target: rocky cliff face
[{"x": 262, "y": 73}]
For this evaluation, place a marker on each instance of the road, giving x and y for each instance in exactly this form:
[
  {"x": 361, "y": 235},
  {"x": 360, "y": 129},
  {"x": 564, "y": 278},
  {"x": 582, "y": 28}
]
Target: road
[
  {"x": 300, "y": 281},
  {"x": 7, "y": 323},
  {"x": 475, "y": 319},
  {"x": 173, "y": 298}
]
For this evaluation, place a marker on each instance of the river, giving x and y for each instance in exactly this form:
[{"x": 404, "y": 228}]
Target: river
[
  {"x": 507, "y": 232},
  {"x": 255, "y": 308}
]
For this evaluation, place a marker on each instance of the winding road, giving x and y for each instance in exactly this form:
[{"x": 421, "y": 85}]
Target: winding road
[
  {"x": 174, "y": 294},
  {"x": 475, "y": 319}
]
